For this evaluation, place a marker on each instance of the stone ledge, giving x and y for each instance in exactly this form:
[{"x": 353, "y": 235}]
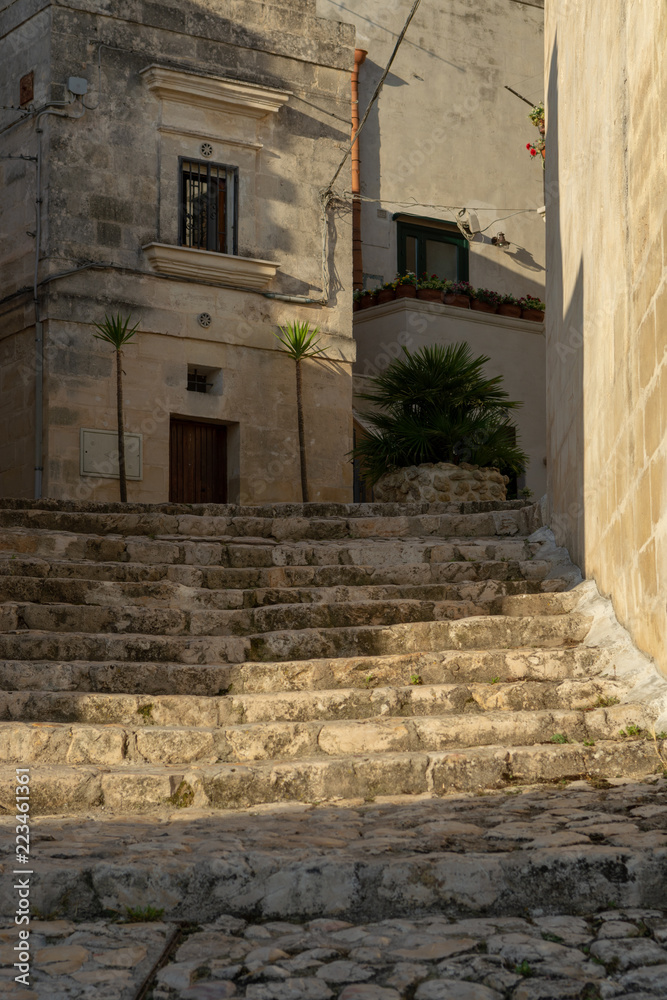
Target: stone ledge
[
  {"x": 227, "y": 269},
  {"x": 407, "y": 305},
  {"x": 213, "y": 92}
]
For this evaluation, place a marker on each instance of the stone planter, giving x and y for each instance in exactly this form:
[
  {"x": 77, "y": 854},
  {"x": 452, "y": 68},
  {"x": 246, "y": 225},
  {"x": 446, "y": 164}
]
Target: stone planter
[
  {"x": 460, "y": 301},
  {"x": 480, "y": 306},
  {"x": 440, "y": 482},
  {"x": 385, "y": 295},
  {"x": 367, "y": 301},
  {"x": 406, "y": 292},
  {"x": 507, "y": 309},
  {"x": 430, "y": 294},
  {"x": 537, "y": 315}
]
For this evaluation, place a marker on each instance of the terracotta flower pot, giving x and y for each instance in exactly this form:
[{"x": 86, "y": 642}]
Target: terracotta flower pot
[
  {"x": 406, "y": 292},
  {"x": 507, "y": 309},
  {"x": 367, "y": 301},
  {"x": 535, "y": 314},
  {"x": 461, "y": 301},
  {"x": 430, "y": 294},
  {"x": 480, "y": 306},
  {"x": 356, "y": 305},
  {"x": 385, "y": 295}
]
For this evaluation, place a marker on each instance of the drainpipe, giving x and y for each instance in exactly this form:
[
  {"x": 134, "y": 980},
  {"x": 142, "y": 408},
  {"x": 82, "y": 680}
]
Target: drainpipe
[{"x": 357, "y": 263}]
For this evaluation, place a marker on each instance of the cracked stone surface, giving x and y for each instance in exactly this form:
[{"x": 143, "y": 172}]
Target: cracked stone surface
[{"x": 531, "y": 957}]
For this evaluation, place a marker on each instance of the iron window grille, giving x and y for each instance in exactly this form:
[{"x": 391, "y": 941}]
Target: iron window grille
[
  {"x": 208, "y": 206},
  {"x": 434, "y": 250},
  {"x": 198, "y": 380}
]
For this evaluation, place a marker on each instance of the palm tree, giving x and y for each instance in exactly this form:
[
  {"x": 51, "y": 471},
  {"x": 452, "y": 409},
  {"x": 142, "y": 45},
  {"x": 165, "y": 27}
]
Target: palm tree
[
  {"x": 115, "y": 331},
  {"x": 299, "y": 342},
  {"x": 436, "y": 405}
]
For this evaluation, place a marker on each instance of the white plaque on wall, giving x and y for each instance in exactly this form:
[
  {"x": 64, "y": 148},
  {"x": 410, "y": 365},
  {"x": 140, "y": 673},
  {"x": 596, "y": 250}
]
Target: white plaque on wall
[{"x": 99, "y": 454}]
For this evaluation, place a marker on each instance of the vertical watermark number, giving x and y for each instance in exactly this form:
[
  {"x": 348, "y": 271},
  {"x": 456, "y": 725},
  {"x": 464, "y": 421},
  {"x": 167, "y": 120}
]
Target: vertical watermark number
[{"x": 22, "y": 883}]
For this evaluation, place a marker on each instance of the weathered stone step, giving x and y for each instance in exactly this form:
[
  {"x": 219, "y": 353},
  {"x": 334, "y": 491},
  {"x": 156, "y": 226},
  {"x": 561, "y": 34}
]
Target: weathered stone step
[
  {"x": 520, "y": 520},
  {"x": 246, "y": 578},
  {"x": 299, "y": 706},
  {"x": 493, "y": 632},
  {"x": 167, "y": 621},
  {"x": 156, "y": 678},
  {"x": 165, "y": 593},
  {"x": 261, "y": 552},
  {"x": 66, "y": 743},
  {"x": 133, "y": 788}
]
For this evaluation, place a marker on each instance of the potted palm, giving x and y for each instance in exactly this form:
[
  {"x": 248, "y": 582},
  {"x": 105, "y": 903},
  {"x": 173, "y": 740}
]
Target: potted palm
[
  {"x": 430, "y": 288},
  {"x": 437, "y": 405},
  {"x": 484, "y": 300},
  {"x": 509, "y": 306},
  {"x": 406, "y": 286},
  {"x": 532, "y": 308},
  {"x": 457, "y": 293},
  {"x": 115, "y": 331}
]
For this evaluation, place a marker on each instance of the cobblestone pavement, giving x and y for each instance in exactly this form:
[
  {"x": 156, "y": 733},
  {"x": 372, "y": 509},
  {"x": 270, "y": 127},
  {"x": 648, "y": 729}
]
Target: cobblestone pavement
[
  {"x": 567, "y": 934},
  {"x": 620, "y": 954},
  {"x": 575, "y": 847}
]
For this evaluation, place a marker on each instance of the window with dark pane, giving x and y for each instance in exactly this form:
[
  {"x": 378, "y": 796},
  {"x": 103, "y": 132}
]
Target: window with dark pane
[
  {"x": 198, "y": 379},
  {"x": 208, "y": 206},
  {"x": 435, "y": 248}
]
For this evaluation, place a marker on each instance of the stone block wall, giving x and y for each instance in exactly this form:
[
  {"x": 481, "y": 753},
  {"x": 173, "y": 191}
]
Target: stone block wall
[
  {"x": 440, "y": 482},
  {"x": 606, "y": 182}
]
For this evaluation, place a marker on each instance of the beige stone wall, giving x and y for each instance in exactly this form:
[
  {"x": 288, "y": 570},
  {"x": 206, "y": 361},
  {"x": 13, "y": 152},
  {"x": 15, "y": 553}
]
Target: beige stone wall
[
  {"x": 607, "y": 301},
  {"x": 446, "y": 133},
  {"x": 111, "y": 186}
]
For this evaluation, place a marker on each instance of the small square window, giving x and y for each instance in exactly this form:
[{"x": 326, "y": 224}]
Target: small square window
[
  {"x": 208, "y": 209},
  {"x": 198, "y": 380}
]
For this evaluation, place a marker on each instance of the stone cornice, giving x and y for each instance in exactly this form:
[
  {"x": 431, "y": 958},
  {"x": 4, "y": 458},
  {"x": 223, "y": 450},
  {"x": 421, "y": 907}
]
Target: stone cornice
[
  {"x": 438, "y": 309},
  {"x": 227, "y": 269},
  {"x": 213, "y": 92}
]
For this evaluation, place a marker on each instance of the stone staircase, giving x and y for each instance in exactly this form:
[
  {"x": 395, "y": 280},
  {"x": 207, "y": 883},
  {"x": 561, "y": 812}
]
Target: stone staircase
[{"x": 229, "y": 657}]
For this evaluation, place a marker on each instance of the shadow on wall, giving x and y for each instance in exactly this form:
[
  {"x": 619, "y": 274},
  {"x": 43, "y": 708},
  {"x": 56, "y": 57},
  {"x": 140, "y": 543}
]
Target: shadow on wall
[{"x": 565, "y": 359}]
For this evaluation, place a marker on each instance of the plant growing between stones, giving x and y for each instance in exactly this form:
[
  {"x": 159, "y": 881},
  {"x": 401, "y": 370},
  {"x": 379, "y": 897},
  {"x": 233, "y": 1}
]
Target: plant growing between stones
[
  {"x": 143, "y": 914},
  {"x": 146, "y": 712},
  {"x": 436, "y": 405},
  {"x": 559, "y": 738},
  {"x": 114, "y": 330},
  {"x": 415, "y": 679},
  {"x": 299, "y": 342},
  {"x": 524, "y": 969}
]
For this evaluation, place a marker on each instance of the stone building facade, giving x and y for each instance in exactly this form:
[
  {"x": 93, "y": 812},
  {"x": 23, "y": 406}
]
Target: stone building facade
[
  {"x": 183, "y": 154},
  {"x": 606, "y": 183},
  {"x": 445, "y": 135}
]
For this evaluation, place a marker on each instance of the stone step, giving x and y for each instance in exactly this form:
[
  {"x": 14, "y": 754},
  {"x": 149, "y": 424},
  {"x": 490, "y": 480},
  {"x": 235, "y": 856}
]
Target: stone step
[
  {"x": 416, "y": 699},
  {"x": 167, "y": 621},
  {"x": 142, "y": 788},
  {"x": 367, "y": 672},
  {"x": 492, "y": 632},
  {"x": 114, "y": 745},
  {"x": 104, "y": 593},
  {"x": 264, "y": 553},
  {"x": 247, "y": 578},
  {"x": 492, "y": 521}
]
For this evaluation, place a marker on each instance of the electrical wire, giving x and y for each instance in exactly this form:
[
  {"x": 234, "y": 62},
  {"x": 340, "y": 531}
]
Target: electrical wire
[{"x": 375, "y": 96}]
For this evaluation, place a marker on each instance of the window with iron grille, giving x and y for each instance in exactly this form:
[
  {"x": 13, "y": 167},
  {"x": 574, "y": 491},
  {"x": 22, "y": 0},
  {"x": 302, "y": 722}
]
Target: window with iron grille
[
  {"x": 208, "y": 210},
  {"x": 198, "y": 379}
]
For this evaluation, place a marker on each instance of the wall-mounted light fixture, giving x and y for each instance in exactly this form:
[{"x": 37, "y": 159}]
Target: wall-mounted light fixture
[{"x": 500, "y": 241}]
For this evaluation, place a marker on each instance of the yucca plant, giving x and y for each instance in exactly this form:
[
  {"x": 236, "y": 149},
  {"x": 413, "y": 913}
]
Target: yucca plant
[
  {"x": 114, "y": 330},
  {"x": 436, "y": 405},
  {"x": 300, "y": 343}
]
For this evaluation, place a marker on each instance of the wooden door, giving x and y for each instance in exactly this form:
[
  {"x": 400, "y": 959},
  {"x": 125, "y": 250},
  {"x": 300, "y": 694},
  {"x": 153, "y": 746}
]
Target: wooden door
[{"x": 197, "y": 462}]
